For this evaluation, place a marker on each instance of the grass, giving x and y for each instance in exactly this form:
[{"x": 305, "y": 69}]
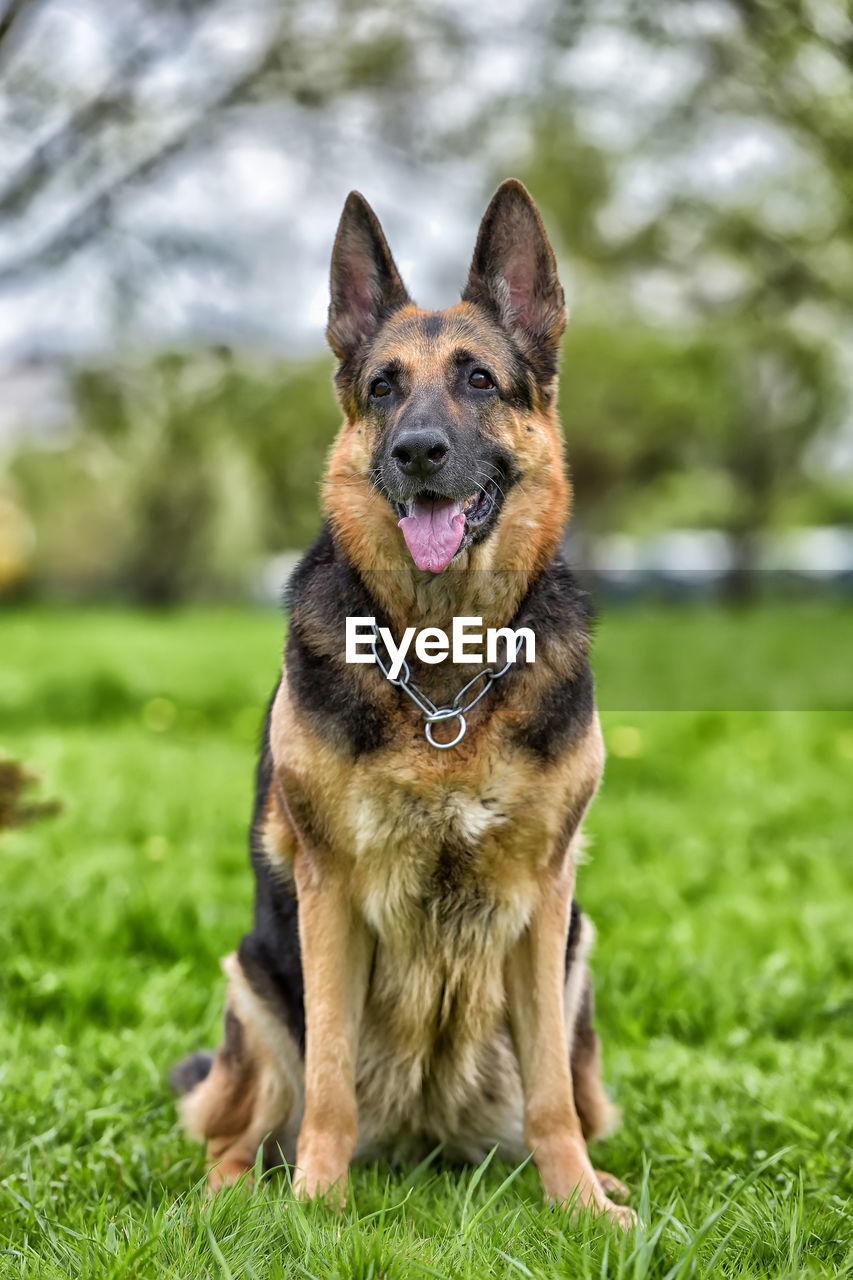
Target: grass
[{"x": 719, "y": 877}]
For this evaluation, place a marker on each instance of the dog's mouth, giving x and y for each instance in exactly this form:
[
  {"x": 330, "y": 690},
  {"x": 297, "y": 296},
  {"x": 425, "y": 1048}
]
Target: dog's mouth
[{"x": 437, "y": 528}]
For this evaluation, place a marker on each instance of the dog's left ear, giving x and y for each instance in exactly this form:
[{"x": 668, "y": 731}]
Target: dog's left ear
[{"x": 514, "y": 272}]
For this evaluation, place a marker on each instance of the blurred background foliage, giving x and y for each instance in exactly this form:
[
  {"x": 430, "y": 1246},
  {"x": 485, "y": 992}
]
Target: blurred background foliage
[
  {"x": 179, "y": 473},
  {"x": 693, "y": 163}
]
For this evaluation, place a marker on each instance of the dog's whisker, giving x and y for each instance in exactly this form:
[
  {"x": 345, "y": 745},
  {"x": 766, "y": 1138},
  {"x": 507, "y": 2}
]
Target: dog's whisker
[
  {"x": 491, "y": 478},
  {"x": 354, "y": 477}
]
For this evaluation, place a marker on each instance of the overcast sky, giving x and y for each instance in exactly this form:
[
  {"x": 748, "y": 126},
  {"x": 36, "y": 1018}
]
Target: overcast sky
[{"x": 268, "y": 191}]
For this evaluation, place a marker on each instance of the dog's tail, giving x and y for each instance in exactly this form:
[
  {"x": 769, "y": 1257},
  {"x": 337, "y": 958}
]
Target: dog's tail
[{"x": 189, "y": 1072}]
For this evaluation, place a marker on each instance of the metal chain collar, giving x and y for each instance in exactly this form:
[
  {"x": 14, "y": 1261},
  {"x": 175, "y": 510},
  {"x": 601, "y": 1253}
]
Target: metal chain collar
[{"x": 456, "y": 711}]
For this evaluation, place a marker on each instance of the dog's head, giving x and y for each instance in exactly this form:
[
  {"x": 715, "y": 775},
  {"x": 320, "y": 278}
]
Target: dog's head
[{"x": 450, "y": 451}]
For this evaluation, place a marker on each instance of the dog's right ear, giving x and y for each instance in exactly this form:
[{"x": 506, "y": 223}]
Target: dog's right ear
[{"x": 365, "y": 283}]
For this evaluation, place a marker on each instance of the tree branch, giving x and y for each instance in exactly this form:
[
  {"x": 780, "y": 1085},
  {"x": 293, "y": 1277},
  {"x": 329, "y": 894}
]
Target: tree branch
[
  {"x": 11, "y": 17},
  {"x": 83, "y": 224},
  {"x": 62, "y": 144}
]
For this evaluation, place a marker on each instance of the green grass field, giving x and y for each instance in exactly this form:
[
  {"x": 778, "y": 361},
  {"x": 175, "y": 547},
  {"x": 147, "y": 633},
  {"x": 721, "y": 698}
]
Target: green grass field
[{"x": 719, "y": 877}]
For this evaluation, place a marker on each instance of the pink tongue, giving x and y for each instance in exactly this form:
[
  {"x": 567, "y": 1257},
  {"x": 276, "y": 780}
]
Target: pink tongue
[{"x": 433, "y": 533}]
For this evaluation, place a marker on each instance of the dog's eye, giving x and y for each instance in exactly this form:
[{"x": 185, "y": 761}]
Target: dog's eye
[
  {"x": 380, "y": 387},
  {"x": 481, "y": 380}
]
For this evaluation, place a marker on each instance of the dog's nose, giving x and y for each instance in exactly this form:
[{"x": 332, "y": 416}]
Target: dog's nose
[{"x": 421, "y": 451}]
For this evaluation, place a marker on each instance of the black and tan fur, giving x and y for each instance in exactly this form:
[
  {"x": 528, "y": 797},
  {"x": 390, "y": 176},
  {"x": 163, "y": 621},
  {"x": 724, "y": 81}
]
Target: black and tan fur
[{"x": 416, "y": 973}]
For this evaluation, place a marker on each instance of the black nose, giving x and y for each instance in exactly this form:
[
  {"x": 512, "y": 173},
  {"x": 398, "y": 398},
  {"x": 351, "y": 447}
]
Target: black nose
[{"x": 421, "y": 451}]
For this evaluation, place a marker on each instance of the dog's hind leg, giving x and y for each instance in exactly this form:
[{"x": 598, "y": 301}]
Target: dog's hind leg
[
  {"x": 189, "y": 1072},
  {"x": 249, "y": 1092},
  {"x": 597, "y": 1114}
]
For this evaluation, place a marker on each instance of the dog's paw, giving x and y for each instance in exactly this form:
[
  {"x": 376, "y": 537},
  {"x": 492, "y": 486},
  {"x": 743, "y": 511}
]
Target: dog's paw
[
  {"x": 611, "y": 1186},
  {"x": 571, "y": 1183},
  {"x": 322, "y": 1164},
  {"x": 621, "y": 1215},
  {"x": 316, "y": 1184},
  {"x": 225, "y": 1173}
]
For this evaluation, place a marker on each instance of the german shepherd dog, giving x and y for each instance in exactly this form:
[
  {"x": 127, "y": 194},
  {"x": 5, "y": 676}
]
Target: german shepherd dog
[{"x": 416, "y": 974}]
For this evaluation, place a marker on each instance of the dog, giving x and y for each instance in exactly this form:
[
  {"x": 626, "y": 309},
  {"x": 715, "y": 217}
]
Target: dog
[{"x": 416, "y": 974}]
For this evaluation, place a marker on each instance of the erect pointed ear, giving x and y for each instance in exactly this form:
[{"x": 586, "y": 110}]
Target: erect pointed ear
[
  {"x": 514, "y": 271},
  {"x": 365, "y": 283}
]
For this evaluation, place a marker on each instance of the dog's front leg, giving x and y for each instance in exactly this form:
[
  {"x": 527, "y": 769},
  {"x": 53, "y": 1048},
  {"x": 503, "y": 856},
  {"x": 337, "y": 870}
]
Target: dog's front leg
[
  {"x": 535, "y": 980},
  {"x": 336, "y": 951}
]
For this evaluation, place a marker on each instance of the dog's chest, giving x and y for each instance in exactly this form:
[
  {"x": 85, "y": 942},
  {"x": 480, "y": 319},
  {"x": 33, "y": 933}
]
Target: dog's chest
[{"x": 444, "y": 858}]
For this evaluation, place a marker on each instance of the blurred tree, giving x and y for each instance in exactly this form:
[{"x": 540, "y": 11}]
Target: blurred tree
[
  {"x": 693, "y": 161},
  {"x": 710, "y": 426},
  {"x": 702, "y": 188},
  {"x": 637, "y": 403},
  {"x": 741, "y": 129},
  {"x": 16, "y": 544},
  {"x": 98, "y": 101},
  {"x": 177, "y": 474},
  {"x": 285, "y": 419}
]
